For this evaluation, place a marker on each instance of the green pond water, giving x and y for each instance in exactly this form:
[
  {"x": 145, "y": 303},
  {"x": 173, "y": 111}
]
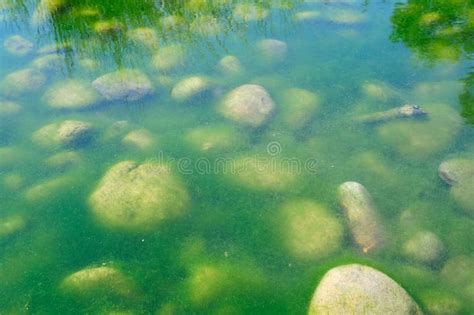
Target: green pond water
[{"x": 237, "y": 245}]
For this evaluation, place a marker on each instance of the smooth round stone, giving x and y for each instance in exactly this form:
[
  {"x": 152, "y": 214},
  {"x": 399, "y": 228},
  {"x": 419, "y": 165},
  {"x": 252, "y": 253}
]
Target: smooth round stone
[
  {"x": 190, "y": 88},
  {"x": 168, "y": 58},
  {"x": 424, "y": 247},
  {"x": 124, "y": 85},
  {"x": 18, "y": 45},
  {"x": 8, "y": 109},
  {"x": 262, "y": 173},
  {"x": 358, "y": 289},
  {"x": 456, "y": 171},
  {"x": 71, "y": 94},
  {"x": 272, "y": 49},
  {"x": 140, "y": 139},
  {"x": 250, "y": 12},
  {"x": 310, "y": 231},
  {"x": 459, "y": 271},
  {"x": 230, "y": 65},
  {"x": 421, "y": 139},
  {"x": 249, "y": 104},
  {"x": 362, "y": 216},
  {"x": 138, "y": 197},
  {"x": 144, "y": 35},
  {"x": 50, "y": 64},
  {"x": 11, "y": 225},
  {"x": 98, "y": 283},
  {"x": 66, "y": 133},
  {"x": 64, "y": 160},
  {"x": 24, "y": 81},
  {"x": 206, "y": 25},
  {"x": 214, "y": 139},
  {"x": 108, "y": 27},
  {"x": 298, "y": 106},
  {"x": 464, "y": 196}
]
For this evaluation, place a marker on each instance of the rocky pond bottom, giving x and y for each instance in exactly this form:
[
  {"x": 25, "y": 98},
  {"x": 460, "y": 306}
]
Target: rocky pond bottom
[{"x": 220, "y": 157}]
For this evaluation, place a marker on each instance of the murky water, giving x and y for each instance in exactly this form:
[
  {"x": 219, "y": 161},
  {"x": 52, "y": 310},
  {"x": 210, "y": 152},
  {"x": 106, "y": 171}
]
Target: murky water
[{"x": 225, "y": 210}]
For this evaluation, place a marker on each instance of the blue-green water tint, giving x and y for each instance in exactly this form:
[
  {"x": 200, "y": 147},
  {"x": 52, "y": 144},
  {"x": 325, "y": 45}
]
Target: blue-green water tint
[{"x": 231, "y": 227}]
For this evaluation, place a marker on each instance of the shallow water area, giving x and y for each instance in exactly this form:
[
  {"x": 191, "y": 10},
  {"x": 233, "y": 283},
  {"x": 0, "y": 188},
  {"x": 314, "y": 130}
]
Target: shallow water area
[{"x": 188, "y": 157}]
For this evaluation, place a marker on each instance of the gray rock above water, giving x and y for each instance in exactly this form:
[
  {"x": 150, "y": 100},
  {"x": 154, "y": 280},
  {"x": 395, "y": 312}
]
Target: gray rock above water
[
  {"x": 124, "y": 85},
  {"x": 362, "y": 216},
  {"x": 18, "y": 45},
  {"x": 358, "y": 289},
  {"x": 249, "y": 104}
]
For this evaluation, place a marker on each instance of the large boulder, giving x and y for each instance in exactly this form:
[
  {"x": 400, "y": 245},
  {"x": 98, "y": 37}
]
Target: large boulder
[
  {"x": 18, "y": 45},
  {"x": 358, "y": 289},
  {"x": 98, "y": 283},
  {"x": 124, "y": 85},
  {"x": 249, "y": 104},
  {"x": 65, "y": 133},
  {"x": 310, "y": 231},
  {"x": 71, "y": 94},
  {"x": 23, "y": 81},
  {"x": 362, "y": 216},
  {"x": 190, "y": 88},
  {"x": 138, "y": 197}
]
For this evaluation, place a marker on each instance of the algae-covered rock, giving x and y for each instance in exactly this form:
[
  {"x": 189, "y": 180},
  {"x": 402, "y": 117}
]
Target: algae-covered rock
[
  {"x": 13, "y": 181},
  {"x": 11, "y": 225},
  {"x": 441, "y": 303},
  {"x": 358, "y": 289},
  {"x": 55, "y": 48},
  {"x": 424, "y": 247},
  {"x": 190, "y": 88},
  {"x": 459, "y": 271},
  {"x": 169, "y": 57},
  {"x": 65, "y": 133},
  {"x": 272, "y": 50},
  {"x": 64, "y": 160},
  {"x": 71, "y": 94},
  {"x": 206, "y": 25},
  {"x": 378, "y": 91},
  {"x": 141, "y": 139},
  {"x": 124, "y": 85},
  {"x": 421, "y": 139},
  {"x": 9, "y": 156},
  {"x": 464, "y": 196},
  {"x": 98, "y": 283},
  {"x": 230, "y": 65},
  {"x": 23, "y": 81},
  {"x": 45, "y": 10},
  {"x": 362, "y": 216},
  {"x": 214, "y": 139},
  {"x": 310, "y": 15},
  {"x": 456, "y": 171},
  {"x": 249, "y": 104},
  {"x": 108, "y": 27},
  {"x": 49, "y": 190},
  {"x": 50, "y": 64},
  {"x": 8, "y": 109},
  {"x": 138, "y": 197},
  {"x": 18, "y": 45},
  {"x": 310, "y": 231},
  {"x": 144, "y": 35},
  {"x": 298, "y": 106},
  {"x": 250, "y": 12},
  {"x": 262, "y": 173}
]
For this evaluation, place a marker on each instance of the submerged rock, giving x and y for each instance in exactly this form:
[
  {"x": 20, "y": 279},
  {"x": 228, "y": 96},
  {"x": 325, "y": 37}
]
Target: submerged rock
[
  {"x": 441, "y": 303},
  {"x": 124, "y": 85},
  {"x": 459, "y": 173},
  {"x": 262, "y": 173},
  {"x": 249, "y": 104},
  {"x": 304, "y": 16},
  {"x": 10, "y": 156},
  {"x": 8, "y": 108},
  {"x": 298, "y": 106},
  {"x": 13, "y": 181},
  {"x": 310, "y": 231},
  {"x": 250, "y": 12},
  {"x": 464, "y": 196},
  {"x": 459, "y": 271},
  {"x": 64, "y": 160},
  {"x": 108, "y": 27},
  {"x": 168, "y": 58},
  {"x": 11, "y": 225},
  {"x": 71, "y": 94},
  {"x": 138, "y": 197},
  {"x": 403, "y": 112},
  {"x": 66, "y": 133},
  {"x": 230, "y": 65},
  {"x": 424, "y": 247},
  {"x": 272, "y": 50},
  {"x": 50, "y": 64},
  {"x": 141, "y": 139},
  {"x": 205, "y": 25},
  {"x": 55, "y": 48},
  {"x": 144, "y": 35},
  {"x": 23, "y": 81},
  {"x": 49, "y": 190},
  {"x": 358, "y": 289},
  {"x": 190, "y": 88},
  {"x": 98, "y": 282},
  {"x": 18, "y": 45},
  {"x": 214, "y": 138},
  {"x": 342, "y": 16},
  {"x": 362, "y": 216},
  {"x": 379, "y": 91},
  {"x": 45, "y": 10}
]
